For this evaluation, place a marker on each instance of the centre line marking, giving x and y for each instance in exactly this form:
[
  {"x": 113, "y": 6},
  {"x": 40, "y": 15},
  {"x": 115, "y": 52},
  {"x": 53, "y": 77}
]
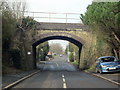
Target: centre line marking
[
  {"x": 63, "y": 79},
  {"x": 62, "y": 76},
  {"x": 64, "y": 85}
]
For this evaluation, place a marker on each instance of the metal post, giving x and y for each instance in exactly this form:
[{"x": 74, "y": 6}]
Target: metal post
[
  {"x": 33, "y": 15},
  {"x": 66, "y": 17},
  {"x": 49, "y": 16}
]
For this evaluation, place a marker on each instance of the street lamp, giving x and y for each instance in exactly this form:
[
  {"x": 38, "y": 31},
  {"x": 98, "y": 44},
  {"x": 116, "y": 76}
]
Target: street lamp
[{"x": 28, "y": 53}]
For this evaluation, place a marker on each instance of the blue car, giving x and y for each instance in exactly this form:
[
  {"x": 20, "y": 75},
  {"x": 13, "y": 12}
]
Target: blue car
[{"x": 107, "y": 64}]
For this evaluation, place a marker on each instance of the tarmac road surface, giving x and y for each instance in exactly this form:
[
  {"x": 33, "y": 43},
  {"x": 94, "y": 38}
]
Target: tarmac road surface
[{"x": 58, "y": 73}]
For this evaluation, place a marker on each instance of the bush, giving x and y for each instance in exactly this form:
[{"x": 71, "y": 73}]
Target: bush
[
  {"x": 9, "y": 70},
  {"x": 71, "y": 57},
  {"x": 92, "y": 68},
  {"x": 16, "y": 57},
  {"x": 75, "y": 62}
]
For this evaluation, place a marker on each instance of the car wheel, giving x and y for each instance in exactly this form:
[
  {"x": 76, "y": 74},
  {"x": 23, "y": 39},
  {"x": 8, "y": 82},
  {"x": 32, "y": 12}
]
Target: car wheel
[{"x": 101, "y": 72}]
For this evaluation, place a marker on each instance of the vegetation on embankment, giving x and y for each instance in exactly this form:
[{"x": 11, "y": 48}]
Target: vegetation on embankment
[
  {"x": 75, "y": 62},
  {"x": 102, "y": 37},
  {"x": 10, "y": 70},
  {"x": 17, "y": 37},
  {"x": 72, "y": 52},
  {"x": 9, "y": 22},
  {"x": 103, "y": 20}
]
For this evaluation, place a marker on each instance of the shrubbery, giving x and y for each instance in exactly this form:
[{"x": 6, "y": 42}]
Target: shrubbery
[
  {"x": 71, "y": 57},
  {"x": 15, "y": 58}
]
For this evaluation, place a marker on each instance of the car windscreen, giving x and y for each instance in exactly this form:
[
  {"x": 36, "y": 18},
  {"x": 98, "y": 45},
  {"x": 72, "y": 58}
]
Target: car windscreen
[
  {"x": 108, "y": 59},
  {"x": 112, "y": 63},
  {"x": 118, "y": 61}
]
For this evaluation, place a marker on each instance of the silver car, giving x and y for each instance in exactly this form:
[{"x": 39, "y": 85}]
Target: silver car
[{"x": 107, "y": 64}]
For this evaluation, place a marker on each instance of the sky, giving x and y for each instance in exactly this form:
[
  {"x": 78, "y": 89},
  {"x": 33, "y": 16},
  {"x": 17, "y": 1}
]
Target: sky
[
  {"x": 58, "y": 6},
  {"x": 64, "y": 6}
]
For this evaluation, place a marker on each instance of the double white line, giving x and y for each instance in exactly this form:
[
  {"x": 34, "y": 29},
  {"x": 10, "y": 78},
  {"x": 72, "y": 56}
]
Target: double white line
[{"x": 64, "y": 83}]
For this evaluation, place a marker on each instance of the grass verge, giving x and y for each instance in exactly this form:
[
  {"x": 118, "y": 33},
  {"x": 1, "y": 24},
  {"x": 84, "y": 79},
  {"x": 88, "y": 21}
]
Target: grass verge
[{"x": 10, "y": 70}]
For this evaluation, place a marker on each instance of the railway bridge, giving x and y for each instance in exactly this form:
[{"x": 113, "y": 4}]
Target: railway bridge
[{"x": 72, "y": 32}]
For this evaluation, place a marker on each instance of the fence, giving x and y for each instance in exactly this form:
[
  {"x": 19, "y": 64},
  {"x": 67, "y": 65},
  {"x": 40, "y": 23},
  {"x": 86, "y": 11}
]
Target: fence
[{"x": 54, "y": 17}]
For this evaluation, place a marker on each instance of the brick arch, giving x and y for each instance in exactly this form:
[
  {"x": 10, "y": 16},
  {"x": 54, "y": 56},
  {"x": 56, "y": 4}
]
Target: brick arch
[{"x": 57, "y": 35}]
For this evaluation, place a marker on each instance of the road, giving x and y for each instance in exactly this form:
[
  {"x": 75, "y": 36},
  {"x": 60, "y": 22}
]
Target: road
[{"x": 58, "y": 73}]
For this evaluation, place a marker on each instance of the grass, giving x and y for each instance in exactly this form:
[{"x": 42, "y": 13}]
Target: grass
[
  {"x": 10, "y": 70},
  {"x": 91, "y": 69},
  {"x": 75, "y": 62}
]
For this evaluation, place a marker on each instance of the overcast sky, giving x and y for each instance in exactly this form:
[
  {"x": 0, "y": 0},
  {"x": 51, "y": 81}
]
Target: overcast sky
[
  {"x": 58, "y": 6},
  {"x": 64, "y": 6}
]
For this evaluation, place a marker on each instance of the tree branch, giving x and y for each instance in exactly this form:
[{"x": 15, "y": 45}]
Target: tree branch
[{"x": 116, "y": 37}]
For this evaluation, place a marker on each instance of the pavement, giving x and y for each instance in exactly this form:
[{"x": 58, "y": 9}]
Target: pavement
[
  {"x": 8, "y": 79},
  {"x": 58, "y": 73},
  {"x": 112, "y": 76}
]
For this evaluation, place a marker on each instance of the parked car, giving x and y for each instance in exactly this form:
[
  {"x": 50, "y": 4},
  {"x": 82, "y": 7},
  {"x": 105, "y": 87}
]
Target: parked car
[
  {"x": 61, "y": 55},
  {"x": 107, "y": 64},
  {"x": 118, "y": 61}
]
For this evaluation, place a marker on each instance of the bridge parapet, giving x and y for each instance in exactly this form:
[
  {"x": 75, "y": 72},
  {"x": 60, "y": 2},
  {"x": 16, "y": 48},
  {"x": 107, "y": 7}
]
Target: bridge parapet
[{"x": 60, "y": 26}]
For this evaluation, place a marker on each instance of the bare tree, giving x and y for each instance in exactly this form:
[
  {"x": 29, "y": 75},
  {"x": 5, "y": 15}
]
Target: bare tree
[
  {"x": 56, "y": 47},
  {"x": 19, "y": 8}
]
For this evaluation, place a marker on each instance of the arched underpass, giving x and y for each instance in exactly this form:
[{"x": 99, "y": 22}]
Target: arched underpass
[
  {"x": 60, "y": 36},
  {"x": 62, "y": 79}
]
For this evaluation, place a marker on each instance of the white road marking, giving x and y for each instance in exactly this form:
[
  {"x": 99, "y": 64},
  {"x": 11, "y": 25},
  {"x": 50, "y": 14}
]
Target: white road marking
[
  {"x": 63, "y": 79},
  {"x": 62, "y": 76},
  {"x": 64, "y": 83}
]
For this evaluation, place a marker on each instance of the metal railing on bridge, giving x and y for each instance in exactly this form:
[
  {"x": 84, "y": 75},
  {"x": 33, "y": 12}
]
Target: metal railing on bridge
[{"x": 54, "y": 17}]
